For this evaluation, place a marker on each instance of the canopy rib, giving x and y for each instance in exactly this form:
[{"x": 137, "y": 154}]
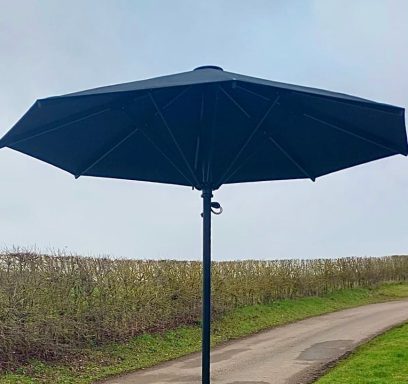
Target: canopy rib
[
  {"x": 291, "y": 158},
  {"x": 106, "y": 153},
  {"x": 198, "y": 140},
  {"x": 248, "y": 140},
  {"x": 212, "y": 107},
  {"x": 124, "y": 139},
  {"x": 197, "y": 151},
  {"x": 88, "y": 114},
  {"x": 175, "y": 98},
  {"x": 240, "y": 166},
  {"x": 233, "y": 101},
  {"x": 157, "y": 147},
  {"x": 175, "y": 142},
  {"x": 253, "y": 93},
  {"x": 191, "y": 182},
  {"x": 352, "y": 132}
]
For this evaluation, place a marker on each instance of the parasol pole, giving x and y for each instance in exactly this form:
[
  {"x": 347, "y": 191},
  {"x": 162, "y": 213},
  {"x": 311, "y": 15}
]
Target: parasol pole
[{"x": 206, "y": 315}]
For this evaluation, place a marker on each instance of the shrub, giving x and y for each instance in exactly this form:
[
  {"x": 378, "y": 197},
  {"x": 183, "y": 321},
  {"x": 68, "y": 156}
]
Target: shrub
[{"x": 53, "y": 305}]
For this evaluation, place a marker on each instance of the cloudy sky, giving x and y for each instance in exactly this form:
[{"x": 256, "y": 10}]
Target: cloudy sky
[{"x": 54, "y": 47}]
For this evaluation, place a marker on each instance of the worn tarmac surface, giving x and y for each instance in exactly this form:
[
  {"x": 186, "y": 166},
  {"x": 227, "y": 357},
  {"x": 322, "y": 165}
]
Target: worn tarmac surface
[{"x": 291, "y": 354}]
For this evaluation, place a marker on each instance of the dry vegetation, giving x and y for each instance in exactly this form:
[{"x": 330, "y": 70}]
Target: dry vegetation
[{"x": 51, "y": 306}]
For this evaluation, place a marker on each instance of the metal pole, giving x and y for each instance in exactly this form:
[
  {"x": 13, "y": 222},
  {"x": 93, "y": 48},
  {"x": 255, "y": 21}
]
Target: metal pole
[{"x": 206, "y": 324}]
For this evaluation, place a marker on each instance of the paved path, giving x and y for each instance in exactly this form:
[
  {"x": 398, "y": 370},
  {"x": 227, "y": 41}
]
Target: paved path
[{"x": 290, "y": 354}]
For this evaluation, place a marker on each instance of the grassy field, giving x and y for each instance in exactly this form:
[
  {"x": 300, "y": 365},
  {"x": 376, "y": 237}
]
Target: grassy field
[
  {"x": 148, "y": 349},
  {"x": 384, "y": 360}
]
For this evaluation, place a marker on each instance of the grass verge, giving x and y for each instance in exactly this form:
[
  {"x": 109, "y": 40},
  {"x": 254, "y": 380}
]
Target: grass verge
[
  {"x": 383, "y": 360},
  {"x": 149, "y": 349}
]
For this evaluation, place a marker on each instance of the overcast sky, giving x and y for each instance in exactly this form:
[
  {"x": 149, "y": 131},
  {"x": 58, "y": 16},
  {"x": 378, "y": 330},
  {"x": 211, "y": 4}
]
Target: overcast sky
[{"x": 55, "y": 47}]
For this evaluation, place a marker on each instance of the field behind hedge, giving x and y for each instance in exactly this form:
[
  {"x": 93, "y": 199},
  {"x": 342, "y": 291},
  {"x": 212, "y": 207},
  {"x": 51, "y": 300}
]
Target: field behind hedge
[{"x": 52, "y": 306}]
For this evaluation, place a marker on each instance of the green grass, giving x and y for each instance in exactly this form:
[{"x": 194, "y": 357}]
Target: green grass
[
  {"x": 149, "y": 349},
  {"x": 381, "y": 361}
]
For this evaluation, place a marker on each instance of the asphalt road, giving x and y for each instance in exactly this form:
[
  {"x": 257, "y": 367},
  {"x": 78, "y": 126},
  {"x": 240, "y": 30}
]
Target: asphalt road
[{"x": 291, "y": 354}]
